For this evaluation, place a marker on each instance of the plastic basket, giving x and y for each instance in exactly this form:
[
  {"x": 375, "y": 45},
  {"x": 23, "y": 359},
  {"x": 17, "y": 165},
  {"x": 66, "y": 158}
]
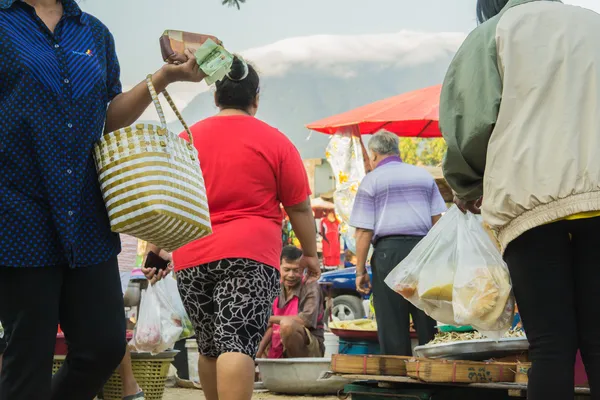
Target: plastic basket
[{"x": 150, "y": 373}]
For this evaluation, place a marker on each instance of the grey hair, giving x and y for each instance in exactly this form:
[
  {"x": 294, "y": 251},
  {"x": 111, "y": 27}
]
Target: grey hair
[{"x": 385, "y": 143}]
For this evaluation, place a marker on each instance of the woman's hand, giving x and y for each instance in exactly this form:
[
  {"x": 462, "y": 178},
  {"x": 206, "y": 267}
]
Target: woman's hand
[
  {"x": 152, "y": 273},
  {"x": 187, "y": 72},
  {"x": 312, "y": 266}
]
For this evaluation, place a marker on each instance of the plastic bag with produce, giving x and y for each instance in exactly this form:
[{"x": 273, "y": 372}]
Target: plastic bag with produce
[
  {"x": 169, "y": 288},
  {"x": 159, "y": 325},
  {"x": 146, "y": 337},
  {"x": 425, "y": 277},
  {"x": 482, "y": 288},
  {"x": 457, "y": 276}
]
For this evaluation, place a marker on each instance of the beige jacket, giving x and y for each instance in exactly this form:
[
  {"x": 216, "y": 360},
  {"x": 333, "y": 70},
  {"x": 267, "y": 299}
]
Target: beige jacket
[{"x": 520, "y": 111}]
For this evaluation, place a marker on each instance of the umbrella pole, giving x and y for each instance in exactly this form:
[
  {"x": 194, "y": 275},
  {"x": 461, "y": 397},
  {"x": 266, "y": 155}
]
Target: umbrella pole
[{"x": 366, "y": 159}]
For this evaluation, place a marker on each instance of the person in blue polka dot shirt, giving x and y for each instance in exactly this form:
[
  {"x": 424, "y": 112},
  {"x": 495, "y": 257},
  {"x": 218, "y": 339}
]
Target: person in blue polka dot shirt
[{"x": 60, "y": 91}]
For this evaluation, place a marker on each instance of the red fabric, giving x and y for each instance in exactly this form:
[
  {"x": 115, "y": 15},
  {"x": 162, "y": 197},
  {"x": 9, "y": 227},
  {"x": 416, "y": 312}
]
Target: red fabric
[
  {"x": 331, "y": 246},
  {"x": 249, "y": 168},
  {"x": 290, "y": 309},
  {"x": 413, "y": 114},
  {"x": 580, "y": 374}
]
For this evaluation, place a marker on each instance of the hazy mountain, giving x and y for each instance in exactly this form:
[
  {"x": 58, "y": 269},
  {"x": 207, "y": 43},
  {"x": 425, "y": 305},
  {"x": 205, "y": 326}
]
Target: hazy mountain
[{"x": 308, "y": 78}]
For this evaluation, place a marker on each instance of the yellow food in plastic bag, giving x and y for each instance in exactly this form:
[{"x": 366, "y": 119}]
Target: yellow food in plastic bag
[
  {"x": 483, "y": 296},
  {"x": 443, "y": 292}
]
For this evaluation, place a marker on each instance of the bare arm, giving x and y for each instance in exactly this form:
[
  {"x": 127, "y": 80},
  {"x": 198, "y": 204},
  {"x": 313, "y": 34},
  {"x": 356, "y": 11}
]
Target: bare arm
[
  {"x": 363, "y": 243},
  {"x": 276, "y": 320},
  {"x": 127, "y": 107},
  {"x": 264, "y": 344},
  {"x": 435, "y": 219}
]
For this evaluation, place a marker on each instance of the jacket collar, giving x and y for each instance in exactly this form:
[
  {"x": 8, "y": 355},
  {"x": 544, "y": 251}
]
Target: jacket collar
[
  {"x": 513, "y": 3},
  {"x": 71, "y": 8}
]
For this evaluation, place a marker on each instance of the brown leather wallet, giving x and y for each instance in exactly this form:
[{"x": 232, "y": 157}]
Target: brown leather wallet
[{"x": 173, "y": 44}]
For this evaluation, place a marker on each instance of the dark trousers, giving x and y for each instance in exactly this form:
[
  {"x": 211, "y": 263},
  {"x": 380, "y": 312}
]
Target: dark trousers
[
  {"x": 391, "y": 309},
  {"x": 555, "y": 270},
  {"x": 89, "y": 305}
]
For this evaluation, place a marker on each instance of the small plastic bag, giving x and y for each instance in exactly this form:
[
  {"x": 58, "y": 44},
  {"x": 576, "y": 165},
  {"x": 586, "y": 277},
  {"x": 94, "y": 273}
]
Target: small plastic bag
[
  {"x": 157, "y": 329},
  {"x": 482, "y": 288},
  {"x": 146, "y": 336},
  {"x": 168, "y": 287}
]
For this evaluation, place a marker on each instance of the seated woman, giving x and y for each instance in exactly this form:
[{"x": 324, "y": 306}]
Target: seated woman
[{"x": 296, "y": 327}]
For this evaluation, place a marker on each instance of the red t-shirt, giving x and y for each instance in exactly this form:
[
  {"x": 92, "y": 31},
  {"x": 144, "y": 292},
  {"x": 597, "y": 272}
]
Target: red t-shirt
[{"x": 250, "y": 169}]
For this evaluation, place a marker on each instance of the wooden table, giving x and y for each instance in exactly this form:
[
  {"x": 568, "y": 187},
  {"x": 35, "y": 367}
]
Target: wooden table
[{"x": 514, "y": 389}]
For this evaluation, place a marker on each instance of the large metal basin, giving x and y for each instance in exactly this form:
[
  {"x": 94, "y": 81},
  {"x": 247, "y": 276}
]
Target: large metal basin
[{"x": 299, "y": 376}]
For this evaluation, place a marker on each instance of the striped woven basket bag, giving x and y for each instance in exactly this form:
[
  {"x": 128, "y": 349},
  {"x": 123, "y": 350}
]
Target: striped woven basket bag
[{"x": 152, "y": 183}]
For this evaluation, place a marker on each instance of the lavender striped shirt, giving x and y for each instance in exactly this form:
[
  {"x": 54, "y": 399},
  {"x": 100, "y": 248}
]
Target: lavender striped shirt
[{"x": 397, "y": 199}]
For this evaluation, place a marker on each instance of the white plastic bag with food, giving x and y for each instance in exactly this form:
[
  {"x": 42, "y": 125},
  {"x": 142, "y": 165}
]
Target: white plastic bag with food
[
  {"x": 426, "y": 276},
  {"x": 457, "y": 276},
  {"x": 158, "y": 327},
  {"x": 482, "y": 290},
  {"x": 146, "y": 336},
  {"x": 168, "y": 288}
]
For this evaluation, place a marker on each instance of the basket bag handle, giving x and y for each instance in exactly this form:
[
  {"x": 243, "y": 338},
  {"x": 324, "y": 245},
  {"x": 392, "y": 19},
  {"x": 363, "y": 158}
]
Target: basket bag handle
[{"x": 159, "y": 109}]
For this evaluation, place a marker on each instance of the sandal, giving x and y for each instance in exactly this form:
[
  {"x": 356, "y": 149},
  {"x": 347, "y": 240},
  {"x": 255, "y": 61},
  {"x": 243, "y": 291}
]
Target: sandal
[{"x": 138, "y": 396}]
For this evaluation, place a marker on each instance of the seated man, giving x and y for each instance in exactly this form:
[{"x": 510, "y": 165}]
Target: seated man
[{"x": 296, "y": 327}]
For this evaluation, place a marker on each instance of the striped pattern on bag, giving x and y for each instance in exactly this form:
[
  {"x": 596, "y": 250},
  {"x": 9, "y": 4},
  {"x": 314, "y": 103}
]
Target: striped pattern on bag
[{"x": 152, "y": 183}]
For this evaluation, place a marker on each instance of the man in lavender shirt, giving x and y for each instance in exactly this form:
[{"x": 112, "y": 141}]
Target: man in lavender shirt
[{"x": 396, "y": 205}]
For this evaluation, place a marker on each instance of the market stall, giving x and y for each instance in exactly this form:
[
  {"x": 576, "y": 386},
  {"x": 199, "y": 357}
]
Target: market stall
[
  {"x": 413, "y": 114},
  {"x": 464, "y": 362},
  {"x": 460, "y": 362}
]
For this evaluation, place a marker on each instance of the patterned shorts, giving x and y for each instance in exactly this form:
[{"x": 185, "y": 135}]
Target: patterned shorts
[{"x": 229, "y": 302}]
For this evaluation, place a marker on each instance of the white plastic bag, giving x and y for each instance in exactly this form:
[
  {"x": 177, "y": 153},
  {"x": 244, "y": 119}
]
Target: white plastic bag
[
  {"x": 168, "y": 288},
  {"x": 429, "y": 269},
  {"x": 146, "y": 336},
  {"x": 482, "y": 289},
  {"x": 156, "y": 330},
  {"x": 457, "y": 276}
]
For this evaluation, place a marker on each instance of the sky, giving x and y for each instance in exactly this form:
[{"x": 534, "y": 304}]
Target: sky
[{"x": 137, "y": 24}]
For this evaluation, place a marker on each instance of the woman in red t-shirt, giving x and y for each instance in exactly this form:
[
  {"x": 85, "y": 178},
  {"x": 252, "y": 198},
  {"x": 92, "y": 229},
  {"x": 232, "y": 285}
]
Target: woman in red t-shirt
[{"x": 229, "y": 280}]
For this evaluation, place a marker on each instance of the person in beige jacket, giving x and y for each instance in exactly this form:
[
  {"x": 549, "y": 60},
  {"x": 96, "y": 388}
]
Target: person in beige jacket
[{"x": 520, "y": 111}]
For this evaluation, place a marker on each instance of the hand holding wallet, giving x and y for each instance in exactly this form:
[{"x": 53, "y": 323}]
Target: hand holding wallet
[{"x": 173, "y": 44}]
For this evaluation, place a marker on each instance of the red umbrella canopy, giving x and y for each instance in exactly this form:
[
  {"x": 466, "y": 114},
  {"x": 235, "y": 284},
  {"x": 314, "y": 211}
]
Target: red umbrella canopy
[{"x": 413, "y": 114}]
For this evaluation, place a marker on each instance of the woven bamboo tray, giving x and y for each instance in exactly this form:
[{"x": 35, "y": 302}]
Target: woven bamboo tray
[
  {"x": 369, "y": 365},
  {"x": 449, "y": 371},
  {"x": 150, "y": 373},
  {"x": 521, "y": 376}
]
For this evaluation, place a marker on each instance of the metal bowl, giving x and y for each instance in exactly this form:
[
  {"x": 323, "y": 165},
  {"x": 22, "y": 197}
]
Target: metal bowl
[
  {"x": 132, "y": 294},
  {"x": 474, "y": 350},
  {"x": 299, "y": 376}
]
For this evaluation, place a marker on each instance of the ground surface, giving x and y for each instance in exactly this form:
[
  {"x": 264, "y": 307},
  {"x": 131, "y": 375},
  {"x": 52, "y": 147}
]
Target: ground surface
[{"x": 194, "y": 394}]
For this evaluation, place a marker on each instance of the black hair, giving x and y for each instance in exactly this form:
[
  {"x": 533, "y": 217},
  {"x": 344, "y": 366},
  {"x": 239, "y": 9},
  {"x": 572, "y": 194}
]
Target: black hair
[
  {"x": 238, "y": 90},
  {"x": 291, "y": 254},
  {"x": 487, "y": 9}
]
